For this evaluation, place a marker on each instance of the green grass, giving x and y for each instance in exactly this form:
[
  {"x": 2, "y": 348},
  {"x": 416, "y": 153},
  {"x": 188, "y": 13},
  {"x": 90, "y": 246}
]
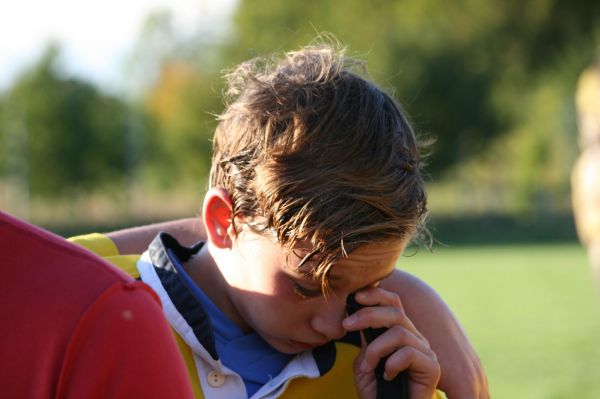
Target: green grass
[{"x": 531, "y": 311}]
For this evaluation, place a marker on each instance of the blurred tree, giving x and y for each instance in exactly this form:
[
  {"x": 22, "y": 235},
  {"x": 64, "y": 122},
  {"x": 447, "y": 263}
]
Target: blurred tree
[
  {"x": 157, "y": 42},
  {"x": 176, "y": 93},
  {"x": 420, "y": 49},
  {"x": 183, "y": 128},
  {"x": 491, "y": 81},
  {"x": 61, "y": 134}
]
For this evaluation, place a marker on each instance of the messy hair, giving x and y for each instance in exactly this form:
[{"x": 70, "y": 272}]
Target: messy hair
[{"x": 317, "y": 155}]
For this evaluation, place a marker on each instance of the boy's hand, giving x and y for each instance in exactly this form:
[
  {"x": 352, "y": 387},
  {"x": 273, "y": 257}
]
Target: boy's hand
[
  {"x": 406, "y": 347},
  {"x": 463, "y": 375}
]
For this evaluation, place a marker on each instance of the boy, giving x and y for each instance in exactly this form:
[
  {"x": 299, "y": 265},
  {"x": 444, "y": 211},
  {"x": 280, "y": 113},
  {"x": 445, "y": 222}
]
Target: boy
[{"x": 315, "y": 192}]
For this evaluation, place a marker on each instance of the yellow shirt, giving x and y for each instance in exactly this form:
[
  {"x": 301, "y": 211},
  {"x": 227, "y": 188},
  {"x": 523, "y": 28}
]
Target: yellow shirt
[{"x": 337, "y": 382}]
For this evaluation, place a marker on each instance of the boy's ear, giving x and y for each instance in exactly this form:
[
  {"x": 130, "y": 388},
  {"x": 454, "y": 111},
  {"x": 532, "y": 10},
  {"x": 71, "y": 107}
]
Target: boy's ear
[{"x": 217, "y": 213}]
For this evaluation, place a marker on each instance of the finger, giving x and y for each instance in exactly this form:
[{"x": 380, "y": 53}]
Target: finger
[
  {"x": 378, "y": 298},
  {"x": 420, "y": 362},
  {"x": 379, "y": 317},
  {"x": 375, "y": 317},
  {"x": 423, "y": 368},
  {"x": 375, "y": 296},
  {"x": 361, "y": 354},
  {"x": 365, "y": 380},
  {"x": 390, "y": 342}
]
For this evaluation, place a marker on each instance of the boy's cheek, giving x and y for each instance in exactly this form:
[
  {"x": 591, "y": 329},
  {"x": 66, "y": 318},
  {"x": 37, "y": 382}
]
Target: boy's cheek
[{"x": 282, "y": 288}]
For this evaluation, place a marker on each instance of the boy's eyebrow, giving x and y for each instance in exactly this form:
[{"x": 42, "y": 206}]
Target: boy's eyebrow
[
  {"x": 334, "y": 277},
  {"x": 386, "y": 275},
  {"x": 304, "y": 260},
  {"x": 295, "y": 273},
  {"x": 308, "y": 258}
]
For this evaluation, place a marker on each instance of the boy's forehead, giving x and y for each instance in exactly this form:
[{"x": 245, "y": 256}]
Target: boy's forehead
[{"x": 376, "y": 261}]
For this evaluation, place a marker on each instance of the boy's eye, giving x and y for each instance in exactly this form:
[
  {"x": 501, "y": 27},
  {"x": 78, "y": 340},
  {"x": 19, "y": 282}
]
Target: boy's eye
[{"x": 304, "y": 292}]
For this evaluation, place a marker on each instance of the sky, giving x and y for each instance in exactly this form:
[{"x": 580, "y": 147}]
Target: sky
[{"x": 96, "y": 36}]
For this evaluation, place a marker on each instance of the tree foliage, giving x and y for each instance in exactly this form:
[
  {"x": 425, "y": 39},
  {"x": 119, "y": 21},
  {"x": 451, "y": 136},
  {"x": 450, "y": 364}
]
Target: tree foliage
[
  {"x": 178, "y": 100},
  {"x": 63, "y": 132},
  {"x": 492, "y": 82}
]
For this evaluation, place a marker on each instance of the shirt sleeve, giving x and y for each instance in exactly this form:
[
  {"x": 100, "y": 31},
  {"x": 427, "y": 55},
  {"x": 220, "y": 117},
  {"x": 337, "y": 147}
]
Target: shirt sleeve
[
  {"x": 98, "y": 243},
  {"x": 123, "y": 348}
]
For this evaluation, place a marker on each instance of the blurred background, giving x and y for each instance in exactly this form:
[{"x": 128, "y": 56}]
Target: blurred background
[{"x": 107, "y": 110}]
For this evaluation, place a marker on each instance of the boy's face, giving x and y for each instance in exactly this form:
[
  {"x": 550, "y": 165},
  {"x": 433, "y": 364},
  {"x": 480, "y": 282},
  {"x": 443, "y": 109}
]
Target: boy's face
[{"x": 286, "y": 306}]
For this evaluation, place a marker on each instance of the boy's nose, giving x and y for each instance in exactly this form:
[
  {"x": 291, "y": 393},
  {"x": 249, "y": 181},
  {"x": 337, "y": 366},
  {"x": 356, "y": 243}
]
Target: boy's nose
[{"x": 328, "y": 319}]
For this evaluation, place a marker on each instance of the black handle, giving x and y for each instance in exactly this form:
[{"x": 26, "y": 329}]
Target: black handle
[{"x": 394, "y": 389}]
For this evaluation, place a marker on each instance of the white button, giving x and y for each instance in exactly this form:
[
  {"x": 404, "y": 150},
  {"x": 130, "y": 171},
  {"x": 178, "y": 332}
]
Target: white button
[{"x": 215, "y": 379}]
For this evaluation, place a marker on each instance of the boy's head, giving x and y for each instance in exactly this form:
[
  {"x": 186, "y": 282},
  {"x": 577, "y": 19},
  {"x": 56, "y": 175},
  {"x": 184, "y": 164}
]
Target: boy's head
[{"x": 318, "y": 157}]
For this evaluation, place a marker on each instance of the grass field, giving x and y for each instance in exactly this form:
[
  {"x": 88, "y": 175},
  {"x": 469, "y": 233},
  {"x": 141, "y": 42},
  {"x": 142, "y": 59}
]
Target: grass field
[{"x": 531, "y": 311}]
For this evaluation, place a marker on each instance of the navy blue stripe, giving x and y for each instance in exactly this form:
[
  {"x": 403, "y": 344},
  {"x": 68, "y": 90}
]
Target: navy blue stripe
[
  {"x": 325, "y": 357},
  {"x": 185, "y": 302},
  {"x": 352, "y": 338}
]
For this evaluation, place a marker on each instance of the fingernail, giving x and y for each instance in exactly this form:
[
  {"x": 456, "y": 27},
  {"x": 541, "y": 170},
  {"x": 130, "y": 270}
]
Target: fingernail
[{"x": 386, "y": 377}]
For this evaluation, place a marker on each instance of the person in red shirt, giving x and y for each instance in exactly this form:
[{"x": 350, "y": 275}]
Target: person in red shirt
[{"x": 73, "y": 326}]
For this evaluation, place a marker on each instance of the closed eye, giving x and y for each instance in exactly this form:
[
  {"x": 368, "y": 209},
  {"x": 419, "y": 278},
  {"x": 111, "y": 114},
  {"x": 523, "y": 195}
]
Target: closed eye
[{"x": 304, "y": 292}]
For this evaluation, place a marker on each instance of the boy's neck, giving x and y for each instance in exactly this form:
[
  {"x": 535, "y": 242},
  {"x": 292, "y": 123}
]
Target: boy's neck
[{"x": 204, "y": 271}]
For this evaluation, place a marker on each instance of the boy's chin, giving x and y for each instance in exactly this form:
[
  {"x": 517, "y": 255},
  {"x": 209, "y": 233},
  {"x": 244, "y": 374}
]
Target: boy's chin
[{"x": 283, "y": 346}]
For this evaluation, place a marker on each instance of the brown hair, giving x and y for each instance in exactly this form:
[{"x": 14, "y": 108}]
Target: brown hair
[{"x": 314, "y": 153}]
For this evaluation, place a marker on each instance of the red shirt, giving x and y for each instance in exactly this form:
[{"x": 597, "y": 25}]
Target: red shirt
[{"x": 73, "y": 326}]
